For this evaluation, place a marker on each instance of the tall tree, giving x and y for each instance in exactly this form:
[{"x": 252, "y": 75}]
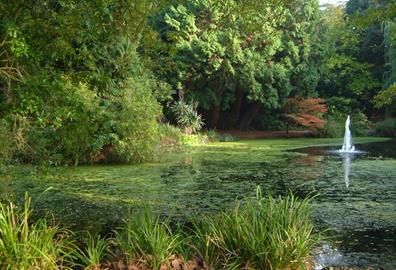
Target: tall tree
[
  {"x": 347, "y": 76},
  {"x": 236, "y": 58},
  {"x": 381, "y": 15}
]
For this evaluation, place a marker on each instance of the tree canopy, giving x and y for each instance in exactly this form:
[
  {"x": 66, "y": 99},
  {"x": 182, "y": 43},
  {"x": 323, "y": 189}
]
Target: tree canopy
[{"x": 92, "y": 81}]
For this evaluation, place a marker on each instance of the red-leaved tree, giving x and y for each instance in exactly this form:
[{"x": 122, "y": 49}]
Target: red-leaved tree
[{"x": 305, "y": 112}]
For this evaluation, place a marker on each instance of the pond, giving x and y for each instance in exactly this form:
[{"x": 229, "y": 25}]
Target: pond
[{"x": 355, "y": 195}]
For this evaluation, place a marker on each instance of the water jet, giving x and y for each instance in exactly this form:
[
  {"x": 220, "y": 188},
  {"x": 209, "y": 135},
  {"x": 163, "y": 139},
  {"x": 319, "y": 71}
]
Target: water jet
[{"x": 347, "y": 146}]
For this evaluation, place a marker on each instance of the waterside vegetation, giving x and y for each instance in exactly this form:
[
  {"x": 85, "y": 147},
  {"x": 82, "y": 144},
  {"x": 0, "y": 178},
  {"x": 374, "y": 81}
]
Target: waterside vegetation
[{"x": 259, "y": 233}]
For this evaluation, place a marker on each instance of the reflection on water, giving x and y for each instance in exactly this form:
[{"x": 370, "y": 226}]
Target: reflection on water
[
  {"x": 362, "y": 217},
  {"x": 347, "y": 162},
  {"x": 326, "y": 255}
]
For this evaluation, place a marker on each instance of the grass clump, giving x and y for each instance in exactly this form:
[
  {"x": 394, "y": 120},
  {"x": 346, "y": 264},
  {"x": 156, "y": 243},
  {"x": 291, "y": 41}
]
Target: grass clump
[
  {"x": 95, "y": 250},
  {"x": 25, "y": 246},
  {"x": 263, "y": 233},
  {"x": 259, "y": 233},
  {"x": 146, "y": 241}
]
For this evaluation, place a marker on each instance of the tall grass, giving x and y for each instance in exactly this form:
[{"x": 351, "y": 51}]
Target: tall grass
[
  {"x": 144, "y": 240},
  {"x": 36, "y": 246},
  {"x": 93, "y": 253},
  {"x": 259, "y": 233},
  {"x": 263, "y": 233}
]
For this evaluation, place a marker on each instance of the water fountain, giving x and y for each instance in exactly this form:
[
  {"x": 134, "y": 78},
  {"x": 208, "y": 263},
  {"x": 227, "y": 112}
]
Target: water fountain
[
  {"x": 347, "y": 146},
  {"x": 347, "y": 151}
]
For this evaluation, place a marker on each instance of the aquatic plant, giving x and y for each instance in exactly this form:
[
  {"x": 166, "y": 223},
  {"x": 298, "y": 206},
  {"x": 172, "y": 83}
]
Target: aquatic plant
[
  {"x": 26, "y": 246},
  {"x": 262, "y": 233},
  {"x": 259, "y": 233},
  {"x": 93, "y": 253},
  {"x": 144, "y": 240}
]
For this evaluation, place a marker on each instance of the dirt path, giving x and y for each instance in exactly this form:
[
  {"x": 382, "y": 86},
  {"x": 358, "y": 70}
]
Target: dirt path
[{"x": 266, "y": 134}]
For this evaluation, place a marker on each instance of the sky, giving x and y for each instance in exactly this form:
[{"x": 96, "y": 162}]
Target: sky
[{"x": 330, "y": 1}]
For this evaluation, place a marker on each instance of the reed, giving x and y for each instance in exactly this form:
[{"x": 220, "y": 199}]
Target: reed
[
  {"x": 25, "y": 246},
  {"x": 93, "y": 253},
  {"x": 262, "y": 233},
  {"x": 147, "y": 241}
]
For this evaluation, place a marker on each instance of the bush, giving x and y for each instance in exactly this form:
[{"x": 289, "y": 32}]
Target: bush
[
  {"x": 187, "y": 117},
  {"x": 6, "y": 142},
  {"x": 339, "y": 106},
  {"x": 133, "y": 119},
  {"x": 268, "y": 121},
  {"x": 386, "y": 128},
  {"x": 335, "y": 125},
  {"x": 334, "y": 128},
  {"x": 360, "y": 124},
  {"x": 170, "y": 137}
]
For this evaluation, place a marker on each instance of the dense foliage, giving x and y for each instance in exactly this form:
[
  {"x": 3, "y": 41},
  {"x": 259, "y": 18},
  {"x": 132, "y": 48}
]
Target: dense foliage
[
  {"x": 90, "y": 81},
  {"x": 75, "y": 82},
  {"x": 236, "y": 58}
]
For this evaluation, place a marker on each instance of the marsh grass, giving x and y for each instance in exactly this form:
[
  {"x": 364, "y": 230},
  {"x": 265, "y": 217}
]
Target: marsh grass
[
  {"x": 25, "y": 246},
  {"x": 262, "y": 233},
  {"x": 259, "y": 233},
  {"x": 95, "y": 250},
  {"x": 146, "y": 241}
]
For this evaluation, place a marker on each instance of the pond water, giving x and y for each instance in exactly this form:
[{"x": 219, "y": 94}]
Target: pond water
[
  {"x": 358, "y": 200},
  {"x": 355, "y": 195}
]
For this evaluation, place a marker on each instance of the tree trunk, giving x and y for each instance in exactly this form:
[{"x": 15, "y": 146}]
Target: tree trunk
[
  {"x": 233, "y": 116},
  {"x": 249, "y": 116},
  {"x": 212, "y": 117},
  {"x": 213, "y": 114}
]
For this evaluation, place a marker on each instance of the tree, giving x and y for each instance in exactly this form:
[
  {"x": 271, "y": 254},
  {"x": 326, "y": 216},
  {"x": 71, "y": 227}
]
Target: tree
[
  {"x": 346, "y": 74},
  {"x": 305, "y": 112},
  {"x": 86, "y": 90},
  {"x": 236, "y": 58},
  {"x": 381, "y": 15}
]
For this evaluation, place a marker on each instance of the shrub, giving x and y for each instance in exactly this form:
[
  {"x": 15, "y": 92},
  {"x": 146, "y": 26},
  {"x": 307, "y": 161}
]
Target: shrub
[
  {"x": 334, "y": 128},
  {"x": 264, "y": 233},
  {"x": 6, "y": 142},
  {"x": 306, "y": 112},
  {"x": 386, "y": 127},
  {"x": 133, "y": 120},
  {"x": 212, "y": 135},
  {"x": 227, "y": 138},
  {"x": 341, "y": 105},
  {"x": 335, "y": 125},
  {"x": 360, "y": 124},
  {"x": 170, "y": 136},
  {"x": 26, "y": 246},
  {"x": 187, "y": 117},
  {"x": 268, "y": 121}
]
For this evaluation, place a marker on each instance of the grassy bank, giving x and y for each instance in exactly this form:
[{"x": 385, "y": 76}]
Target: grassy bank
[{"x": 259, "y": 233}]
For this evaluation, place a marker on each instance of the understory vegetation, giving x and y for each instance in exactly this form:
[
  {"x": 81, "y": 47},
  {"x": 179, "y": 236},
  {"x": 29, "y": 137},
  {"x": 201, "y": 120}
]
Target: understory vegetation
[
  {"x": 259, "y": 233},
  {"x": 103, "y": 81}
]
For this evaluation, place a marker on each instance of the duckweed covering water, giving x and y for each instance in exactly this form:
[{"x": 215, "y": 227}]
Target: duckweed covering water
[{"x": 208, "y": 179}]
